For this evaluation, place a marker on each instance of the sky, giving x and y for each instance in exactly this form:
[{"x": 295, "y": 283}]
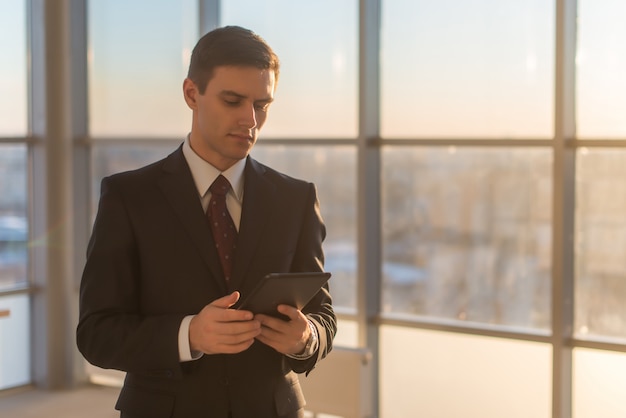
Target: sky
[{"x": 451, "y": 68}]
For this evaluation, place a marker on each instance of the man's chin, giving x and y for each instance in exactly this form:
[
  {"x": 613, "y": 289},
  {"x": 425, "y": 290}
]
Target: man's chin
[
  {"x": 243, "y": 147},
  {"x": 240, "y": 154}
]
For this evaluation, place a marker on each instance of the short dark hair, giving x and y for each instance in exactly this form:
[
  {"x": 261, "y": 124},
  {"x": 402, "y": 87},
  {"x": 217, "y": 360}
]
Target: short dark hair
[{"x": 229, "y": 45}]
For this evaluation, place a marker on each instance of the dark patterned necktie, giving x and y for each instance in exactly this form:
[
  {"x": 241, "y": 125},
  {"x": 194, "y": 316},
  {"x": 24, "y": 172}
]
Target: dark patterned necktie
[{"x": 222, "y": 226}]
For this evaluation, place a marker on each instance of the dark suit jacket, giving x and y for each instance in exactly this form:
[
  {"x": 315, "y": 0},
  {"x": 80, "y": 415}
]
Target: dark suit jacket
[{"x": 151, "y": 261}]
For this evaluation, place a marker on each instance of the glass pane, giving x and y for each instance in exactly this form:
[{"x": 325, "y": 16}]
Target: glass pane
[
  {"x": 317, "y": 44},
  {"x": 600, "y": 288},
  {"x": 467, "y": 69},
  {"x": 601, "y": 64},
  {"x": 467, "y": 234},
  {"x": 598, "y": 384},
  {"x": 138, "y": 58},
  {"x": 347, "y": 333},
  {"x": 14, "y": 341},
  {"x": 13, "y": 72},
  {"x": 454, "y": 375},
  {"x": 337, "y": 197},
  {"x": 13, "y": 217}
]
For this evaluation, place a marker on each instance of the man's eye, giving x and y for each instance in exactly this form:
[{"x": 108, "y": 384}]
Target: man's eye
[
  {"x": 232, "y": 102},
  {"x": 262, "y": 107}
]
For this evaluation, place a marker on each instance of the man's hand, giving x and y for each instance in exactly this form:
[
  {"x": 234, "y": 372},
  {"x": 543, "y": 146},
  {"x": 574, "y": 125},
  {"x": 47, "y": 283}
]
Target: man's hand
[
  {"x": 220, "y": 330},
  {"x": 286, "y": 337}
]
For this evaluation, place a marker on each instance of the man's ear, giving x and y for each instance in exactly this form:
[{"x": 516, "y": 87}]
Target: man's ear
[{"x": 190, "y": 92}]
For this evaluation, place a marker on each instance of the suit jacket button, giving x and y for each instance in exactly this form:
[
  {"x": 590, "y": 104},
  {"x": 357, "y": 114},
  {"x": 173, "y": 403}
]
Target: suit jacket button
[{"x": 224, "y": 381}]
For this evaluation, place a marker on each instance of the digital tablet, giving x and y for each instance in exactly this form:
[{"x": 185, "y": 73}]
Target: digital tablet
[{"x": 294, "y": 289}]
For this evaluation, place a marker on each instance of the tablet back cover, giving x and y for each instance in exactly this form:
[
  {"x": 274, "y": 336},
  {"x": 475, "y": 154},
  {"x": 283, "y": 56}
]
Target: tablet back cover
[{"x": 294, "y": 289}]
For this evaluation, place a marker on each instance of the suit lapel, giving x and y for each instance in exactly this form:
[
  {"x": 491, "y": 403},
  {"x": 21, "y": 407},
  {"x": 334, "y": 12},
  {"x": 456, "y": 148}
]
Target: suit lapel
[
  {"x": 258, "y": 196},
  {"x": 180, "y": 191}
]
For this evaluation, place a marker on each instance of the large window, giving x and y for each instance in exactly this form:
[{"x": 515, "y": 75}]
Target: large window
[
  {"x": 469, "y": 174},
  {"x": 492, "y": 141},
  {"x": 14, "y": 201}
]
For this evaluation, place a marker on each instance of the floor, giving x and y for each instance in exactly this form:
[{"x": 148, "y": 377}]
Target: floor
[
  {"x": 92, "y": 401},
  {"x": 99, "y": 401}
]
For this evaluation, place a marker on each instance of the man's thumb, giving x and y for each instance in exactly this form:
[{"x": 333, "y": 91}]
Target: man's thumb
[{"x": 227, "y": 301}]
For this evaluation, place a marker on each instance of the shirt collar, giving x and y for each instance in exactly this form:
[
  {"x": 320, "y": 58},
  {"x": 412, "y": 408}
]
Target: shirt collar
[{"x": 204, "y": 174}]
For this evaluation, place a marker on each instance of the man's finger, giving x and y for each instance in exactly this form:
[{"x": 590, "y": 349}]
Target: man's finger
[{"x": 289, "y": 311}]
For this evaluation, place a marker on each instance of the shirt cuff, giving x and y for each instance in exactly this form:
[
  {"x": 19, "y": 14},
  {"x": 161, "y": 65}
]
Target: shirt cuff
[{"x": 184, "y": 350}]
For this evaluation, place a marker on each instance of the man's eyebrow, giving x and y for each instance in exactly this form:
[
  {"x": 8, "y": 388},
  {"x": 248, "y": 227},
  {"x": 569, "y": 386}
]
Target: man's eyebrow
[{"x": 234, "y": 94}]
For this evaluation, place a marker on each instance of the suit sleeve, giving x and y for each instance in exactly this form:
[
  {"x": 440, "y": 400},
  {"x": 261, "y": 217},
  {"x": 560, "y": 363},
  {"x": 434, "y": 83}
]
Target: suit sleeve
[
  {"x": 309, "y": 256},
  {"x": 112, "y": 332}
]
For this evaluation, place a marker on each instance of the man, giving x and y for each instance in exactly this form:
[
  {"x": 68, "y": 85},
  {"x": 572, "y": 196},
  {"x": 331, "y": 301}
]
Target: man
[{"x": 156, "y": 293}]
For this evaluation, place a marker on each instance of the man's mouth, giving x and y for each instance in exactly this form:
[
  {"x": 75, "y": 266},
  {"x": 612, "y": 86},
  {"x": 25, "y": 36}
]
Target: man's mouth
[{"x": 242, "y": 136}]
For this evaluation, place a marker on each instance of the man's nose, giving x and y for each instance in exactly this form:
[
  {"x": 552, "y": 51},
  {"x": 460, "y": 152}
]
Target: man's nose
[{"x": 247, "y": 118}]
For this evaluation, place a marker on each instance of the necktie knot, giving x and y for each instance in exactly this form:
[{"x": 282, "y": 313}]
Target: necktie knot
[{"x": 220, "y": 186}]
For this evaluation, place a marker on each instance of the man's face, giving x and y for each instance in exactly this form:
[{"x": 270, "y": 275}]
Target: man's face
[{"x": 227, "y": 118}]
